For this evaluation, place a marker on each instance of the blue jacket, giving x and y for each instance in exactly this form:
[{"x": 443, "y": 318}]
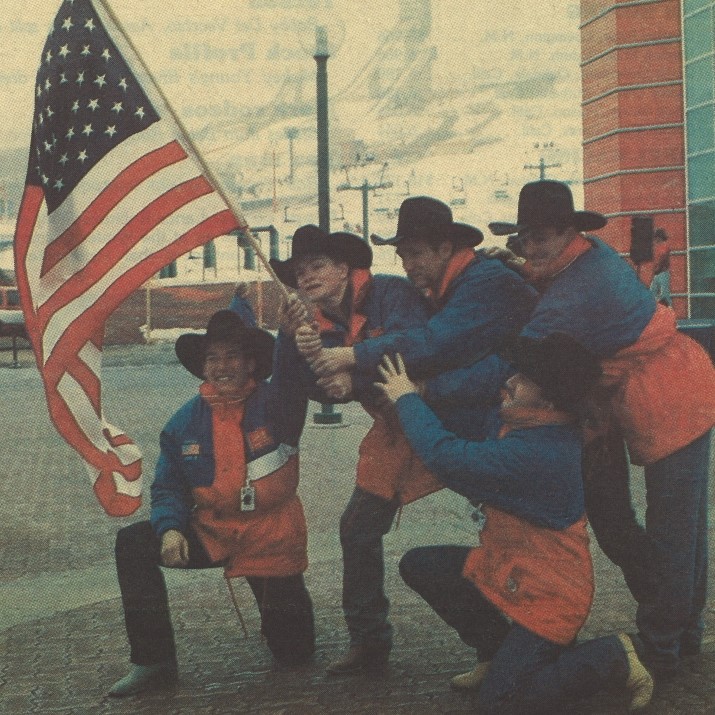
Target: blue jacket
[
  {"x": 532, "y": 473},
  {"x": 389, "y": 303},
  {"x": 275, "y": 413},
  {"x": 484, "y": 304},
  {"x": 598, "y": 300}
]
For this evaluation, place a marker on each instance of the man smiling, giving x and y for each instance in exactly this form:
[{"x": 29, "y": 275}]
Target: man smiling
[{"x": 224, "y": 494}]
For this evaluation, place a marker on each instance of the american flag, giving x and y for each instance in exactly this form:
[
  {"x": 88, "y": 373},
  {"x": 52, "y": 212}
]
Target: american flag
[{"x": 113, "y": 193}]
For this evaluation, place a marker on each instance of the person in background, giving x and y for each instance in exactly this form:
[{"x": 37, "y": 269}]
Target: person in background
[
  {"x": 224, "y": 494},
  {"x": 521, "y": 595},
  {"x": 660, "y": 284}
]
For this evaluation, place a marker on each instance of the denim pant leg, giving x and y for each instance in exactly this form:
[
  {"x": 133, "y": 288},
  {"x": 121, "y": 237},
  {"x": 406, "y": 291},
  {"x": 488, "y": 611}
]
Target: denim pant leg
[
  {"x": 366, "y": 519},
  {"x": 606, "y": 481},
  {"x": 143, "y": 589},
  {"x": 676, "y": 518},
  {"x": 286, "y": 617},
  {"x": 435, "y": 573},
  {"x": 532, "y": 675}
]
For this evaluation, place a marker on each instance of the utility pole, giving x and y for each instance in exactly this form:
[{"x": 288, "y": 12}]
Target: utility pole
[
  {"x": 542, "y": 166},
  {"x": 364, "y": 188}
]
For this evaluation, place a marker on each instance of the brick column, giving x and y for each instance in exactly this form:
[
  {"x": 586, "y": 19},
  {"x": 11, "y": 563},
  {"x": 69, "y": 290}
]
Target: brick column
[{"x": 633, "y": 138}]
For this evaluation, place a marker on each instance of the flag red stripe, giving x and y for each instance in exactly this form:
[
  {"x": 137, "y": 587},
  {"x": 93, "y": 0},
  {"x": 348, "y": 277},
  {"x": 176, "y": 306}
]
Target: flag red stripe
[
  {"x": 125, "y": 182},
  {"x": 76, "y": 332},
  {"x": 32, "y": 200},
  {"x": 123, "y": 242}
]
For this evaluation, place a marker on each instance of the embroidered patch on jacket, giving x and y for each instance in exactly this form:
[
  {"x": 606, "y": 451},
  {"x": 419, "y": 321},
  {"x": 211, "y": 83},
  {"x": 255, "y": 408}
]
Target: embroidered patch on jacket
[
  {"x": 259, "y": 439},
  {"x": 190, "y": 449}
]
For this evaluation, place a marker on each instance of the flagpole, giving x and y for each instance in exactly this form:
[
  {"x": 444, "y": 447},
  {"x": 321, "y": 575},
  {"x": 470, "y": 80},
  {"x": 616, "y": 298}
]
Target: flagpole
[{"x": 210, "y": 176}]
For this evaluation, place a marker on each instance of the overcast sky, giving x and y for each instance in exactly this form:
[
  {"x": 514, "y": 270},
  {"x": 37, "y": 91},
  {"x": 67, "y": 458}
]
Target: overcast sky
[{"x": 242, "y": 49}]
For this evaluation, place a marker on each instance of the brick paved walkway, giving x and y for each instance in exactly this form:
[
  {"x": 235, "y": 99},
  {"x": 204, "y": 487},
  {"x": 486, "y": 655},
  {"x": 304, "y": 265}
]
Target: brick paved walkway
[{"x": 62, "y": 640}]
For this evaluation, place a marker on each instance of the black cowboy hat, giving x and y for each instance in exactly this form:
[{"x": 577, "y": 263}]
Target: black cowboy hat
[
  {"x": 563, "y": 368},
  {"x": 548, "y": 203},
  {"x": 311, "y": 240},
  {"x": 227, "y": 327},
  {"x": 425, "y": 218}
]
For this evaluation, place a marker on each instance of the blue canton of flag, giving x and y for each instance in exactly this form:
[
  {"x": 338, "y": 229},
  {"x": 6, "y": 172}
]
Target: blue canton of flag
[
  {"x": 113, "y": 194},
  {"x": 87, "y": 102}
]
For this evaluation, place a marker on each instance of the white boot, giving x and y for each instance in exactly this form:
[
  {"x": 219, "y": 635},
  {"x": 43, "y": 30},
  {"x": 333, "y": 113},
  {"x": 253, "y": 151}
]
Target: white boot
[
  {"x": 145, "y": 677},
  {"x": 473, "y": 679}
]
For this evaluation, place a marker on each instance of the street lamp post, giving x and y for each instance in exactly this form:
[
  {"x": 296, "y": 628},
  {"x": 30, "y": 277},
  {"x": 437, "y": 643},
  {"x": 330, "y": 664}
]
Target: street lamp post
[{"x": 327, "y": 414}]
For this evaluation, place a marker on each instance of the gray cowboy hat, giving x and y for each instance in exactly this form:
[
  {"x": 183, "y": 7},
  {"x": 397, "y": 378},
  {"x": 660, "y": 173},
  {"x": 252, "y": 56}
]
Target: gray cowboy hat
[
  {"x": 425, "y": 218},
  {"x": 310, "y": 240},
  {"x": 225, "y": 326},
  {"x": 548, "y": 203}
]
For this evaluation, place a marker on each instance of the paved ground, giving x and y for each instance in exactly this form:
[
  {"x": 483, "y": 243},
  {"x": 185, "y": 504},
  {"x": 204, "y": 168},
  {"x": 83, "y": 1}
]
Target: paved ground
[{"x": 61, "y": 633}]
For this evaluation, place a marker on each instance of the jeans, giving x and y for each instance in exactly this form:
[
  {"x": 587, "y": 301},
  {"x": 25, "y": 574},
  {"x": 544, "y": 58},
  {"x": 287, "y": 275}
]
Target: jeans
[
  {"x": 606, "y": 483},
  {"x": 366, "y": 519},
  {"x": 284, "y": 604},
  {"x": 528, "y": 674},
  {"x": 665, "y": 564},
  {"x": 677, "y": 519}
]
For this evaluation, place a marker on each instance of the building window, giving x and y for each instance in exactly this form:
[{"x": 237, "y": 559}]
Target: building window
[{"x": 699, "y": 55}]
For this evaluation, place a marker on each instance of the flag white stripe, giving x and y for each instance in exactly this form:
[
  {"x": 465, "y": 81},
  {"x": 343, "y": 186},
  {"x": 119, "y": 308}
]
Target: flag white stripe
[
  {"x": 136, "y": 201},
  {"x": 176, "y": 224},
  {"x": 103, "y": 173},
  {"x": 91, "y": 356},
  {"x": 79, "y": 404}
]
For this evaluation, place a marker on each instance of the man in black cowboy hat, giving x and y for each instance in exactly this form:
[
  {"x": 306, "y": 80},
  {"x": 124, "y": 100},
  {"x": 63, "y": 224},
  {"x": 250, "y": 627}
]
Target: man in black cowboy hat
[
  {"x": 659, "y": 394},
  {"x": 522, "y": 595},
  {"x": 224, "y": 494},
  {"x": 475, "y": 302}
]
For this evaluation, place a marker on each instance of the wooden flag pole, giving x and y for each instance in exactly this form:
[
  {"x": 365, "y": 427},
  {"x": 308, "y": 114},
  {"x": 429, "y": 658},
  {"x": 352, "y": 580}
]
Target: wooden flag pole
[{"x": 210, "y": 176}]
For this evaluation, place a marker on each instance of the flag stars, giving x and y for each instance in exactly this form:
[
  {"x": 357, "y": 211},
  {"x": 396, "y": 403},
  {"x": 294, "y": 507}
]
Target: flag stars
[
  {"x": 48, "y": 146},
  {"x": 40, "y": 118},
  {"x": 82, "y": 156},
  {"x": 39, "y": 90},
  {"x": 48, "y": 84},
  {"x": 140, "y": 112},
  {"x": 59, "y": 184},
  {"x": 117, "y": 107},
  {"x": 85, "y": 51},
  {"x": 111, "y": 130},
  {"x": 87, "y": 129},
  {"x": 70, "y": 133},
  {"x": 64, "y": 159},
  {"x": 67, "y": 24},
  {"x": 64, "y": 50},
  {"x": 100, "y": 81},
  {"x": 49, "y": 111},
  {"x": 48, "y": 56},
  {"x": 63, "y": 78},
  {"x": 123, "y": 84},
  {"x": 106, "y": 54},
  {"x": 93, "y": 104},
  {"x": 75, "y": 106},
  {"x": 80, "y": 78},
  {"x": 89, "y": 25},
  {"x": 45, "y": 179}
]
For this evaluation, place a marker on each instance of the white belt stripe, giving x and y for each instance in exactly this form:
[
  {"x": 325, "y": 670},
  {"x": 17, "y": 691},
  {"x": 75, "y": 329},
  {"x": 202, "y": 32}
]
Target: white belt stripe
[{"x": 269, "y": 463}]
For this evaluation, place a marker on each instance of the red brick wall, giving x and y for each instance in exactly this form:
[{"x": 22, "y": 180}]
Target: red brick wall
[
  {"x": 186, "y": 307},
  {"x": 616, "y": 156}
]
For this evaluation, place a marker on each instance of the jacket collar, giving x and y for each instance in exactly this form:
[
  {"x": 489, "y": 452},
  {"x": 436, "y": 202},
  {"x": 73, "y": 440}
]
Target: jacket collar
[
  {"x": 528, "y": 417},
  {"x": 576, "y": 248},
  {"x": 456, "y": 265},
  {"x": 360, "y": 281}
]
